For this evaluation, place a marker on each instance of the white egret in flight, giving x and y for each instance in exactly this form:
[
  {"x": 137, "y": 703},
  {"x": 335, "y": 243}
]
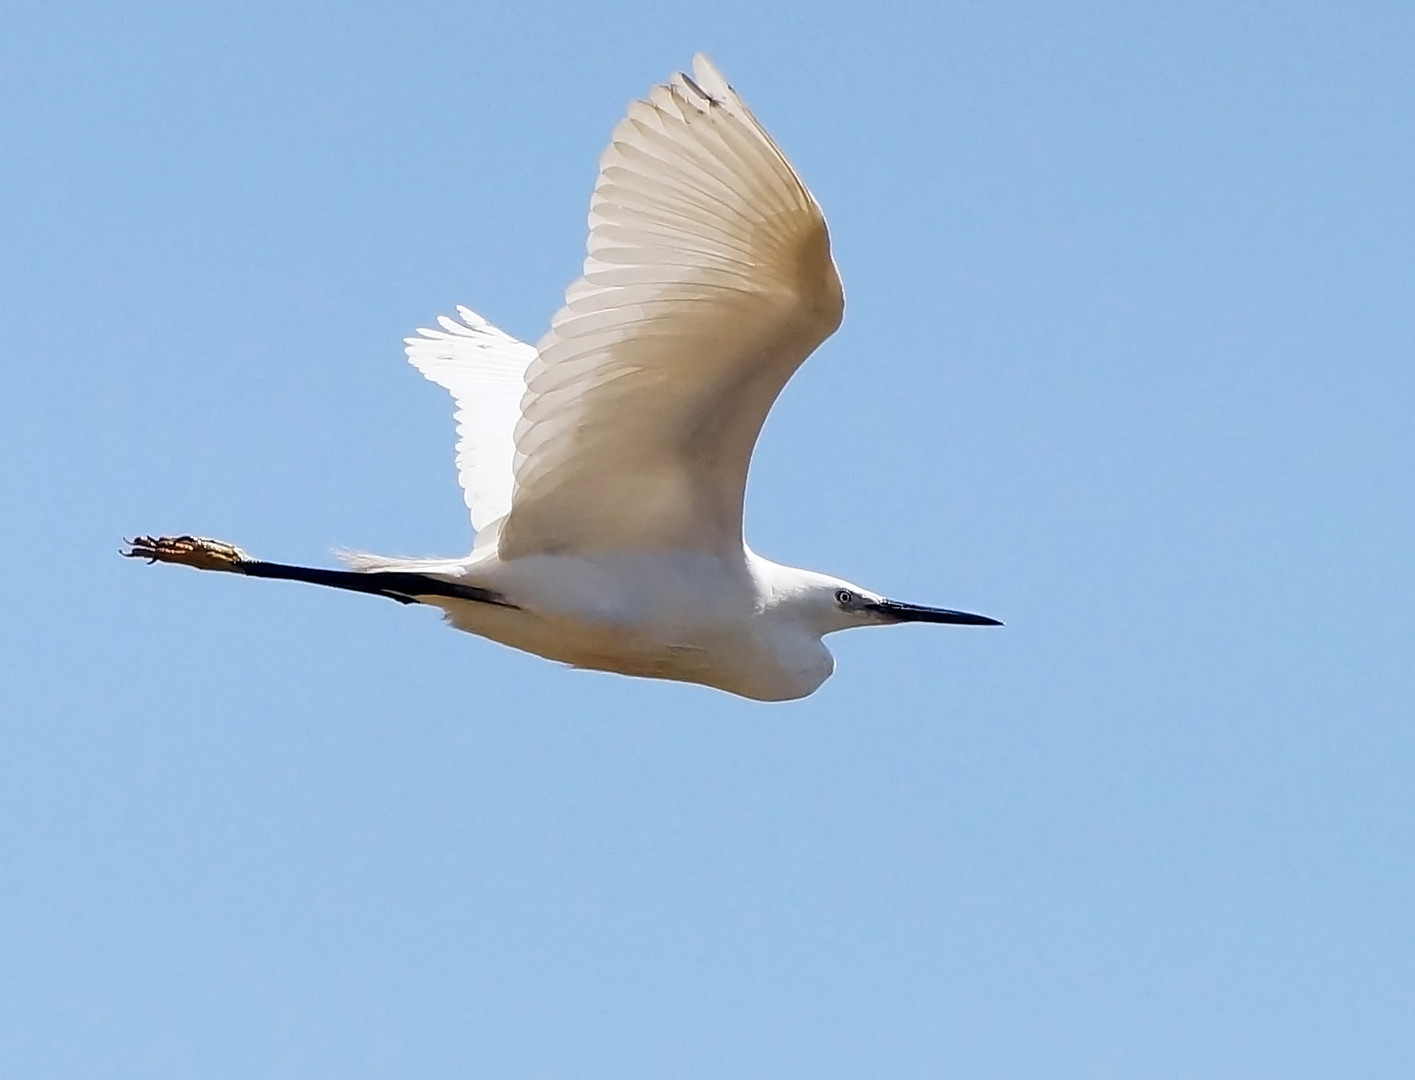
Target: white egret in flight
[{"x": 605, "y": 467}]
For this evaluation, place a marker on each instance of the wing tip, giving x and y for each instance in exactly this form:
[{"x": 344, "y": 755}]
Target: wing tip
[{"x": 706, "y": 73}]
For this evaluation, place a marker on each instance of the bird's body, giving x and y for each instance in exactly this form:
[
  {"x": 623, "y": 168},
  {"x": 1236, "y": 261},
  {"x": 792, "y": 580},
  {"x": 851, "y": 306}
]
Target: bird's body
[
  {"x": 605, "y": 467},
  {"x": 693, "y": 617}
]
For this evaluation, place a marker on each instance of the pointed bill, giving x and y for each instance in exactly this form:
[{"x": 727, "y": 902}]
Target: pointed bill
[{"x": 898, "y": 611}]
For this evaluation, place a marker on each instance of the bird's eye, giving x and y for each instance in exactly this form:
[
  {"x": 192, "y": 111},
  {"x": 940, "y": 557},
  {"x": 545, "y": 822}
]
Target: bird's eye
[{"x": 844, "y": 597}]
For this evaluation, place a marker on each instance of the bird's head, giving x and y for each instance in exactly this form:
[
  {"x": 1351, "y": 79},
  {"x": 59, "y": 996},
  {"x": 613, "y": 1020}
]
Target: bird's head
[
  {"x": 829, "y": 604},
  {"x": 799, "y": 607}
]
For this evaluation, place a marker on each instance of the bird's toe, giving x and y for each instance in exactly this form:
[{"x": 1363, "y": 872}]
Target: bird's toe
[{"x": 200, "y": 552}]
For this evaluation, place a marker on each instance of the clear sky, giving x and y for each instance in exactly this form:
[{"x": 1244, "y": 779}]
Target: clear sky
[{"x": 1127, "y": 363}]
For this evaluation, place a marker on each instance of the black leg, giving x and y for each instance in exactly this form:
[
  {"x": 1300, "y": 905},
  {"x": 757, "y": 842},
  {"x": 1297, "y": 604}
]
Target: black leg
[{"x": 206, "y": 554}]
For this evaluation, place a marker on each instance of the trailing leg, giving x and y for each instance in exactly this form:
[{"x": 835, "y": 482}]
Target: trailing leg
[{"x": 203, "y": 553}]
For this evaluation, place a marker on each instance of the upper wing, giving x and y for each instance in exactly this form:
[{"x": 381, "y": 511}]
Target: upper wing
[
  {"x": 485, "y": 370},
  {"x": 708, "y": 281}
]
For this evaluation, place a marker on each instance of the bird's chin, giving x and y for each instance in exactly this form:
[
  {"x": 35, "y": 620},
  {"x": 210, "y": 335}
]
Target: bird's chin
[{"x": 897, "y": 611}]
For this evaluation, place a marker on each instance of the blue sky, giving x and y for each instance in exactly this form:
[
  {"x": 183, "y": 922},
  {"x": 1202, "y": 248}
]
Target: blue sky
[{"x": 1126, "y": 363}]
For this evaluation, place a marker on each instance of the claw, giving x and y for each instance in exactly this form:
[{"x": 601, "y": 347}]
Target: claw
[{"x": 200, "y": 552}]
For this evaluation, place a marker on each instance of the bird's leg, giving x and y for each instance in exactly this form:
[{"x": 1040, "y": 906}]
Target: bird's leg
[{"x": 203, "y": 553}]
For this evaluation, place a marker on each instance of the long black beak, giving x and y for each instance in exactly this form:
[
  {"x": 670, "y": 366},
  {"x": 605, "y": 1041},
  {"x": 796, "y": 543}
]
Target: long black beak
[{"x": 898, "y": 611}]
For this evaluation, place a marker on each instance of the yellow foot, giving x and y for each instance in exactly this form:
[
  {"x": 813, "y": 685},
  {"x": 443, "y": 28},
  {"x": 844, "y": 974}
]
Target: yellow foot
[{"x": 198, "y": 551}]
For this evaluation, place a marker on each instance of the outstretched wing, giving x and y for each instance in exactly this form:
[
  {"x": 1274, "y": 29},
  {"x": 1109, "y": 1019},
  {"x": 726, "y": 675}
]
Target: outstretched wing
[
  {"x": 485, "y": 370},
  {"x": 707, "y": 283}
]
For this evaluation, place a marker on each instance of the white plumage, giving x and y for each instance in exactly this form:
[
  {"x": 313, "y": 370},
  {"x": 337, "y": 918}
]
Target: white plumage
[
  {"x": 605, "y": 468},
  {"x": 708, "y": 281},
  {"x": 485, "y": 370}
]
